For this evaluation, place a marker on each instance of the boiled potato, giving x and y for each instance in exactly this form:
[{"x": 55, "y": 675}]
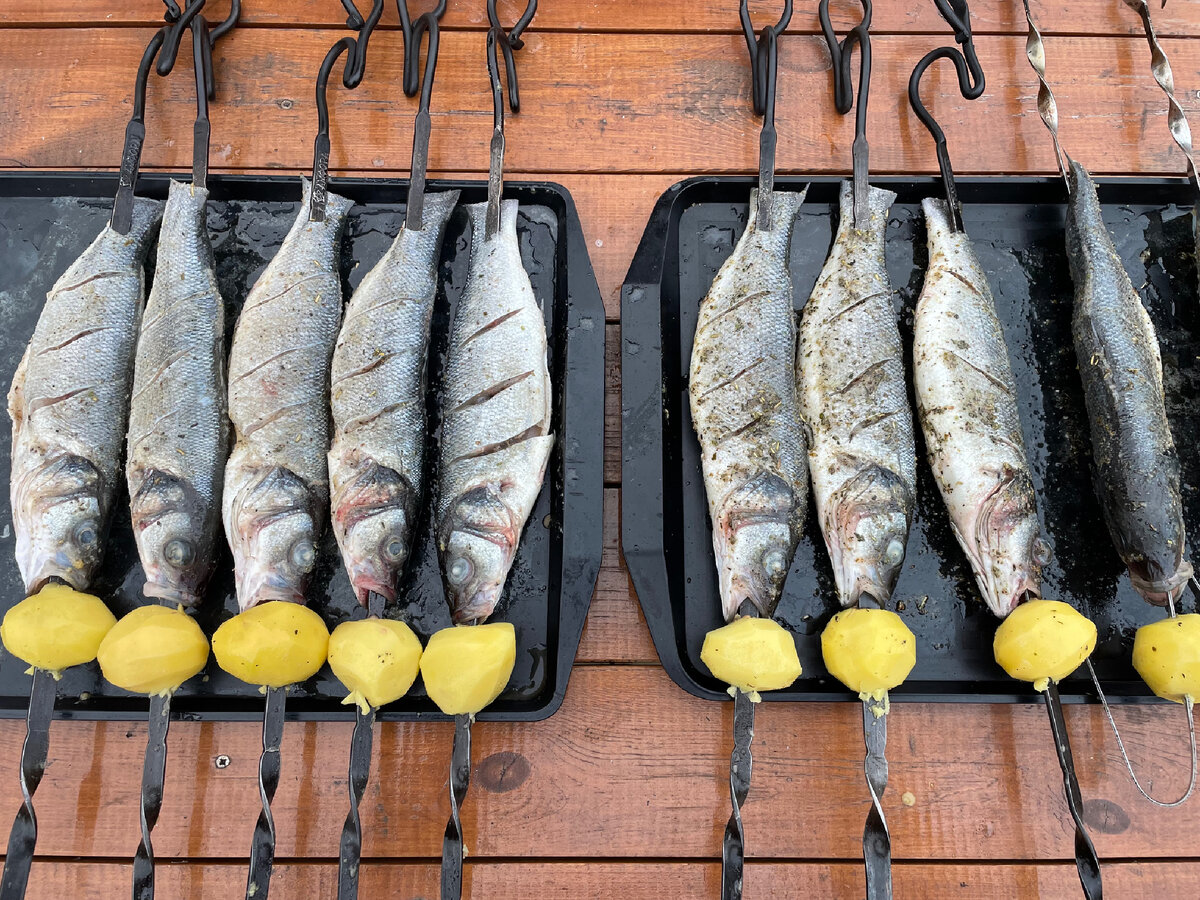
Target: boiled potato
[
  {"x": 870, "y": 651},
  {"x": 752, "y": 654},
  {"x": 56, "y": 628},
  {"x": 465, "y": 667},
  {"x": 1167, "y": 656},
  {"x": 377, "y": 659},
  {"x": 1043, "y": 641},
  {"x": 274, "y": 644},
  {"x": 153, "y": 650}
]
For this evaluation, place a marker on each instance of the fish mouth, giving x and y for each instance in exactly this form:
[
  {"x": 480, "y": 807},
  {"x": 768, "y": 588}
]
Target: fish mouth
[
  {"x": 262, "y": 587},
  {"x": 479, "y": 607},
  {"x": 169, "y": 594},
  {"x": 366, "y": 582},
  {"x": 1163, "y": 591}
]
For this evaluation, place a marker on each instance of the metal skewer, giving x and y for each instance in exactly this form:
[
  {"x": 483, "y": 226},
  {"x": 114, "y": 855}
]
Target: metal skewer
[
  {"x": 764, "y": 66},
  {"x": 23, "y": 837}
]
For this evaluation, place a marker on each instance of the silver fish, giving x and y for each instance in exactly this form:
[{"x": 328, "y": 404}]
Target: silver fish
[
  {"x": 854, "y": 400},
  {"x": 69, "y": 405},
  {"x": 967, "y": 406},
  {"x": 378, "y": 400},
  {"x": 496, "y": 437},
  {"x": 1137, "y": 468},
  {"x": 276, "y": 494},
  {"x": 742, "y": 384},
  {"x": 178, "y": 427}
]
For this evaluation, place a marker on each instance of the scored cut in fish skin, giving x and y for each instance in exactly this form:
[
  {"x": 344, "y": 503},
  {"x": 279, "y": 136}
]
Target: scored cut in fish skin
[
  {"x": 69, "y": 405},
  {"x": 496, "y": 437},
  {"x": 854, "y": 400},
  {"x": 742, "y": 387},
  {"x": 378, "y": 402},
  {"x": 276, "y": 495},
  {"x": 1137, "y": 472},
  {"x": 178, "y": 427},
  {"x": 967, "y": 406}
]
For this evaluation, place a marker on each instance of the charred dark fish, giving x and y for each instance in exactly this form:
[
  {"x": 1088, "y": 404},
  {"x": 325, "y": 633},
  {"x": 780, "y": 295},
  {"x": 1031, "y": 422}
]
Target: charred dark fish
[{"x": 1137, "y": 473}]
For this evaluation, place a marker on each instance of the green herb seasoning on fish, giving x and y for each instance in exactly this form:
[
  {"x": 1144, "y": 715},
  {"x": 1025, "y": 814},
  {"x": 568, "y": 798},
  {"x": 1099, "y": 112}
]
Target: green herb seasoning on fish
[
  {"x": 69, "y": 405},
  {"x": 1136, "y": 466},
  {"x": 496, "y": 437},
  {"x": 742, "y": 384},
  {"x": 967, "y": 406},
  {"x": 378, "y": 400},
  {"x": 854, "y": 400},
  {"x": 178, "y": 427},
  {"x": 276, "y": 493}
]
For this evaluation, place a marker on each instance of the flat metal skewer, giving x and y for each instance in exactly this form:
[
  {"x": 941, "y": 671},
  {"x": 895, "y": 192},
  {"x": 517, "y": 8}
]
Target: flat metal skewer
[
  {"x": 460, "y": 780},
  {"x": 23, "y": 837},
  {"x": 262, "y": 847},
  {"x": 877, "y": 842},
  {"x": 154, "y": 768},
  {"x": 1087, "y": 863},
  {"x": 741, "y": 762}
]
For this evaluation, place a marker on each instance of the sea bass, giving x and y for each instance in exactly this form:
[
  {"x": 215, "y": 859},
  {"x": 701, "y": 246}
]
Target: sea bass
[
  {"x": 178, "y": 428},
  {"x": 378, "y": 399},
  {"x": 742, "y": 384},
  {"x": 277, "y": 481},
  {"x": 1137, "y": 469},
  {"x": 69, "y": 405},
  {"x": 496, "y": 437},
  {"x": 854, "y": 400},
  {"x": 967, "y": 406}
]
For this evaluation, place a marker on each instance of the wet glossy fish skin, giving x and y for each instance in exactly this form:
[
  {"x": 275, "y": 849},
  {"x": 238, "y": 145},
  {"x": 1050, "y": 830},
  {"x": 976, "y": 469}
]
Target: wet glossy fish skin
[
  {"x": 742, "y": 388},
  {"x": 178, "y": 427},
  {"x": 496, "y": 406},
  {"x": 276, "y": 495},
  {"x": 378, "y": 404},
  {"x": 69, "y": 405},
  {"x": 854, "y": 401},
  {"x": 1137, "y": 472},
  {"x": 967, "y": 407}
]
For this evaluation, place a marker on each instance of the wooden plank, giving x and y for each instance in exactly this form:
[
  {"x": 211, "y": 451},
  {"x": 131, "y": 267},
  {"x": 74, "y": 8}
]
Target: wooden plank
[
  {"x": 591, "y": 103},
  {"x": 1068, "y": 16},
  {"x": 91, "y": 880},
  {"x": 631, "y": 767}
]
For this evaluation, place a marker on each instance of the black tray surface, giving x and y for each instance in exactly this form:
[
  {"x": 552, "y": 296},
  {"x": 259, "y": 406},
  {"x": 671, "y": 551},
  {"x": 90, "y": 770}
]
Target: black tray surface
[
  {"x": 47, "y": 219},
  {"x": 1017, "y": 227}
]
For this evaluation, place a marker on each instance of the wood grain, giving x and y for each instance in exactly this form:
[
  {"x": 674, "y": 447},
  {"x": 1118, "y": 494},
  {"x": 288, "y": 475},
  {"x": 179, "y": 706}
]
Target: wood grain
[
  {"x": 987, "y": 16},
  {"x": 631, "y": 767},
  {"x": 590, "y": 103},
  {"x": 54, "y": 880}
]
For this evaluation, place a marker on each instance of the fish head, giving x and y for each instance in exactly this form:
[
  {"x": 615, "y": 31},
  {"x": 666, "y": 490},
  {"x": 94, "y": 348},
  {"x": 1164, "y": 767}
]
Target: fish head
[
  {"x": 866, "y": 528},
  {"x": 59, "y": 521},
  {"x": 754, "y": 540},
  {"x": 373, "y": 517},
  {"x": 173, "y": 527},
  {"x": 477, "y": 542},
  {"x": 274, "y": 550},
  {"x": 1008, "y": 539}
]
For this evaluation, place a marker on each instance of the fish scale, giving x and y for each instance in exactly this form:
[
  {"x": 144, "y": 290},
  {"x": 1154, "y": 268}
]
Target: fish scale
[
  {"x": 69, "y": 405},
  {"x": 178, "y": 427},
  {"x": 854, "y": 399}
]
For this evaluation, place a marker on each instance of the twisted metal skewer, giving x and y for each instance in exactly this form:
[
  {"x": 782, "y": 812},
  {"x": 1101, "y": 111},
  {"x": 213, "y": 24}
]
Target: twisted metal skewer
[
  {"x": 262, "y": 849},
  {"x": 1087, "y": 863},
  {"x": 460, "y": 780},
  {"x": 764, "y": 65},
  {"x": 23, "y": 837},
  {"x": 1035, "y": 52},
  {"x": 741, "y": 762},
  {"x": 154, "y": 768},
  {"x": 877, "y": 842},
  {"x": 501, "y": 43}
]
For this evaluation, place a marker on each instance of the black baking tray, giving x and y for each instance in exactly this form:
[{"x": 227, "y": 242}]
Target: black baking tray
[
  {"x": 47, "y": 219},
  {"x": 1017, "y": 226}
]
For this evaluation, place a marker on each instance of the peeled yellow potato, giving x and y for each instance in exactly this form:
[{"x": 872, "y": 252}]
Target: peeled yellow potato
[
  {"x": 467, "y": 666},
  {"x": 1167, "y": 656},
  {"x": 377, "y": 659},
  {"x": 1043, "y": 641},
  {"x": 56, "y": 628},
  {"x": 870, "y": 651},
  {"x": 276, "y": 643},
  {"x": 153, "y": 650},
  {"x": 752, "y": 654}
]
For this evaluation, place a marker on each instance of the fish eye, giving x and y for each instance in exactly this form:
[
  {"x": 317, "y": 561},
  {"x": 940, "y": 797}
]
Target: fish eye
[
  {"x": 894, "y": 552},
  {"x": 85, "y": 534},
  {"x": 304, "y": 555},
  {"x": 459, "y": 570},
  {"x": 179, "y": 552},
  {"x": 1042, "y": 554},
  {"x": 393, "y": 548},
  {"x": 775, "y": 563}
]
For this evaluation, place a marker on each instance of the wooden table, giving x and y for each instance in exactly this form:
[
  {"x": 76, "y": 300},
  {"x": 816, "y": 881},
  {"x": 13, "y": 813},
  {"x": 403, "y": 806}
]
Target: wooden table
[{"x": 624, "y": 792}]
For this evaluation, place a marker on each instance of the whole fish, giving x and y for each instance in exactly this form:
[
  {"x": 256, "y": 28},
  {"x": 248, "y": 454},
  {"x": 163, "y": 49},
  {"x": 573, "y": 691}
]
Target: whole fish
[
  {"x": 69, "y": 405},
  {"x": 854, "y": 400},
  {"x": 277, "y": 481},
  {"x": 378, "y": 400},
  {"x": 742, "y": 385},
  {"x": 967, "y": 406},
  {"x": 178, "y": 427},
  {"x": 1137, "y": 469},
  {"x": 496, "y": 437}
]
